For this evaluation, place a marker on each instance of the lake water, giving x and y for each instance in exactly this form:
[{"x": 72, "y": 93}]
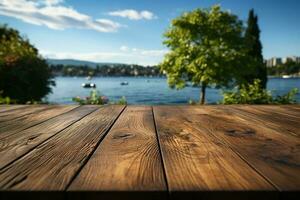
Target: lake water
[{"x": 148, "y": 91}]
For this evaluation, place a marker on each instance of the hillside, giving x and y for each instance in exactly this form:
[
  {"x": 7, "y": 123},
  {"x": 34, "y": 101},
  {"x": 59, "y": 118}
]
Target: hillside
[{"x": 76, "y": 62}]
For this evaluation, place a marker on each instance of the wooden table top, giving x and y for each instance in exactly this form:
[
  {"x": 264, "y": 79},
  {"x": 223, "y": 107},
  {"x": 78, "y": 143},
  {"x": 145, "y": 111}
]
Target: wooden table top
[{"x": 154, "y": 152}]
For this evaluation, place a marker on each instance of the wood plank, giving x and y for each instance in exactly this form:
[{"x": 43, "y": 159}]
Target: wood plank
[
  {"x": 275, "y": 155},
  {"x": 16, "y": 113},
  {"x": 283, "y": 110},
  {"x": 286, "y": 109},
  {"x": 52, "y": 165},
  {"x": 27, "y": 121},
  {"x": 295, "y": 107},
  {"x": 128, "y": 159},
  {"x": 196, "y": 161},
  {"x": 15, "y": 145},
  {"x": 5, "y": 108},
  {"x": 272, "y": 117}
]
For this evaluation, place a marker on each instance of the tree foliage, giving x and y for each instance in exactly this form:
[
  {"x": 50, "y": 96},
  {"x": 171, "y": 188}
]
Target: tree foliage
[
  {"x": 24, "y": 75},
  {"x": 256, "y": 68},
  {"x": 206, "y": 47}
]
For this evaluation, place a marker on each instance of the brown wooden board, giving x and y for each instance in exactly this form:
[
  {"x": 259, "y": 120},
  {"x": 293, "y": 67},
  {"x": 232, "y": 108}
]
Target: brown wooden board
[
  {"x": 15, "y": 113},
  {"x": 196, "y": 161},
  {"x": 272, "y": 117},
  {"x": 52, "y": 165},
  {"x": 127, "y": 160},
  {"x": 284, "y": 109},
  {"x": 5, "y": 108},
  {"x": 273, "y": 154},
  {"x": 27, "y": 121},
  {"x": 16, "y": 145}
]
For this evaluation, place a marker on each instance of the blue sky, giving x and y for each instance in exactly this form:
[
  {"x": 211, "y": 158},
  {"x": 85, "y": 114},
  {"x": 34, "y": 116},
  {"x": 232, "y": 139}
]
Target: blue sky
[{"x": 130, "y": 31}]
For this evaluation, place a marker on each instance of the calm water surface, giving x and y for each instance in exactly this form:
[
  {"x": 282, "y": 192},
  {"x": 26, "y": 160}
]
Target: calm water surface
[{"x": 149, "y": 91}]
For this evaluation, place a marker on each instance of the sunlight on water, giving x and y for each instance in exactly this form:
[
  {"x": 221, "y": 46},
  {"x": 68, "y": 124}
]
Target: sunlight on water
[{"x": 148, "y": 90}]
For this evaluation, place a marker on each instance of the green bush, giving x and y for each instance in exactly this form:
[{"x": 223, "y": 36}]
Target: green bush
[
  {"x": 6, "y": 100},
  {"x": 255, "y": 94},
  {"x": 192, "y": 102},
  {"x": 94, "y": 98},
  {"x": 24, "y": 75},
  {"x": 122, "y": 101},
  {"x": 288, "y": 98}
]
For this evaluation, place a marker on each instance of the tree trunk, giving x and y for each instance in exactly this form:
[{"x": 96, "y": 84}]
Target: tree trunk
[{"x": 202, "y": 95}]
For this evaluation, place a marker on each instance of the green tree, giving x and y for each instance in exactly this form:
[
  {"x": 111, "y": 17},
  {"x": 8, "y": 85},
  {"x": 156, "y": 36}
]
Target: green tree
[
  {"x": 206, "y": 47},
  {"x": 257, "y": 68},
  {"x": 24, "y": 75}
]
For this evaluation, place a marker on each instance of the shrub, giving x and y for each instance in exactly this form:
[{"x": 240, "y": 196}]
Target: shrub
[
  {"x": 6, "y": 100},
  {"x": 288, "y": 98},
  {"x": 122, "y": 101},
  {"x": 255, "y": 94},
  {"x": 94, "y": 98}
]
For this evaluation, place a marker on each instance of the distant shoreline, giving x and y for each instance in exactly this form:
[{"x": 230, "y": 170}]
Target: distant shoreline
[
  {"x": 281, "y": 76},
  {"x": 162, "y": 76}
]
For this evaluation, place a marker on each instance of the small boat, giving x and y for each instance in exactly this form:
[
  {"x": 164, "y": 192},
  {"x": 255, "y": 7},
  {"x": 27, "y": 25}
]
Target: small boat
[
  {"x": 88, "y": 85},
  {"x": 124, "y": 83},
  {"x": 286, "y": 76}
]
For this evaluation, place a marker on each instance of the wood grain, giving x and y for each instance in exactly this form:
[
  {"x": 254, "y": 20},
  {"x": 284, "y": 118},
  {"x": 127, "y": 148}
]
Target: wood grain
[
  {"x": 275, "y": 155},
  {"x": 203, "y": 152},
  {"x": 16, "y": 145},
  {"x": 195, "y": 160},
  {"x": 27, "y": 121},
  {"x": 15, "y": 113},
  {"x": 128, "y": 158},
  {"x": 5, "y": 108},
  {"x": 289, "y": 110},
  {"x": 52, "y": 165},
  {"x": 272, "y": 117}
]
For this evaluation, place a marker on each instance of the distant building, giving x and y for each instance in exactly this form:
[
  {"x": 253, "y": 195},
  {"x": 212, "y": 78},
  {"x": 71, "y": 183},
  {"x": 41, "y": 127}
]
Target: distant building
[
  {"x": 274, "y": 61},
  {"x": 295, "y": 59},
  {"x": 277, "y": 61}
]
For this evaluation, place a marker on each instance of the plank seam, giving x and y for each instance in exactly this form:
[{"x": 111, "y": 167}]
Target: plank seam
[
  {"x": 254, "y": 168},
  {"x": 160, "y": 153},
  {"x": 41, "y": 121},
  {"x": 93, "y": 151},
  {"x": 21, "y": 156},
  {"x": 244, "y": 159}
]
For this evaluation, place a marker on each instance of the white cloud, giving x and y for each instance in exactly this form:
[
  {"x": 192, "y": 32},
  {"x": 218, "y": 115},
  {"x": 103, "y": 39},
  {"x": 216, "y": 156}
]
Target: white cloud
[
  {"x": 139, "y": 56},
  {"x": 52, "y": 14},
  {"x": 124, "y": 48},
  {"x": 52, "y": 2},
  {"x": 133, "y": 14}
]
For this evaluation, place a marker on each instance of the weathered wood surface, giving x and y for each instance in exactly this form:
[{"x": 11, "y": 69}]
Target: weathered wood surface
[
  {"x": 128, "y": 158},
  {"x": 195, "y": 159},
  {"x": 16, "y": 113},
  {"x": 27, "y": 121},
  {"x": 274, "y": 153},
  {"x": 53, "y": 164},
  {"x": 5, "y": 108},
  {"x": 169, "y": 150},
  {"x": 15, "y": 145}
]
